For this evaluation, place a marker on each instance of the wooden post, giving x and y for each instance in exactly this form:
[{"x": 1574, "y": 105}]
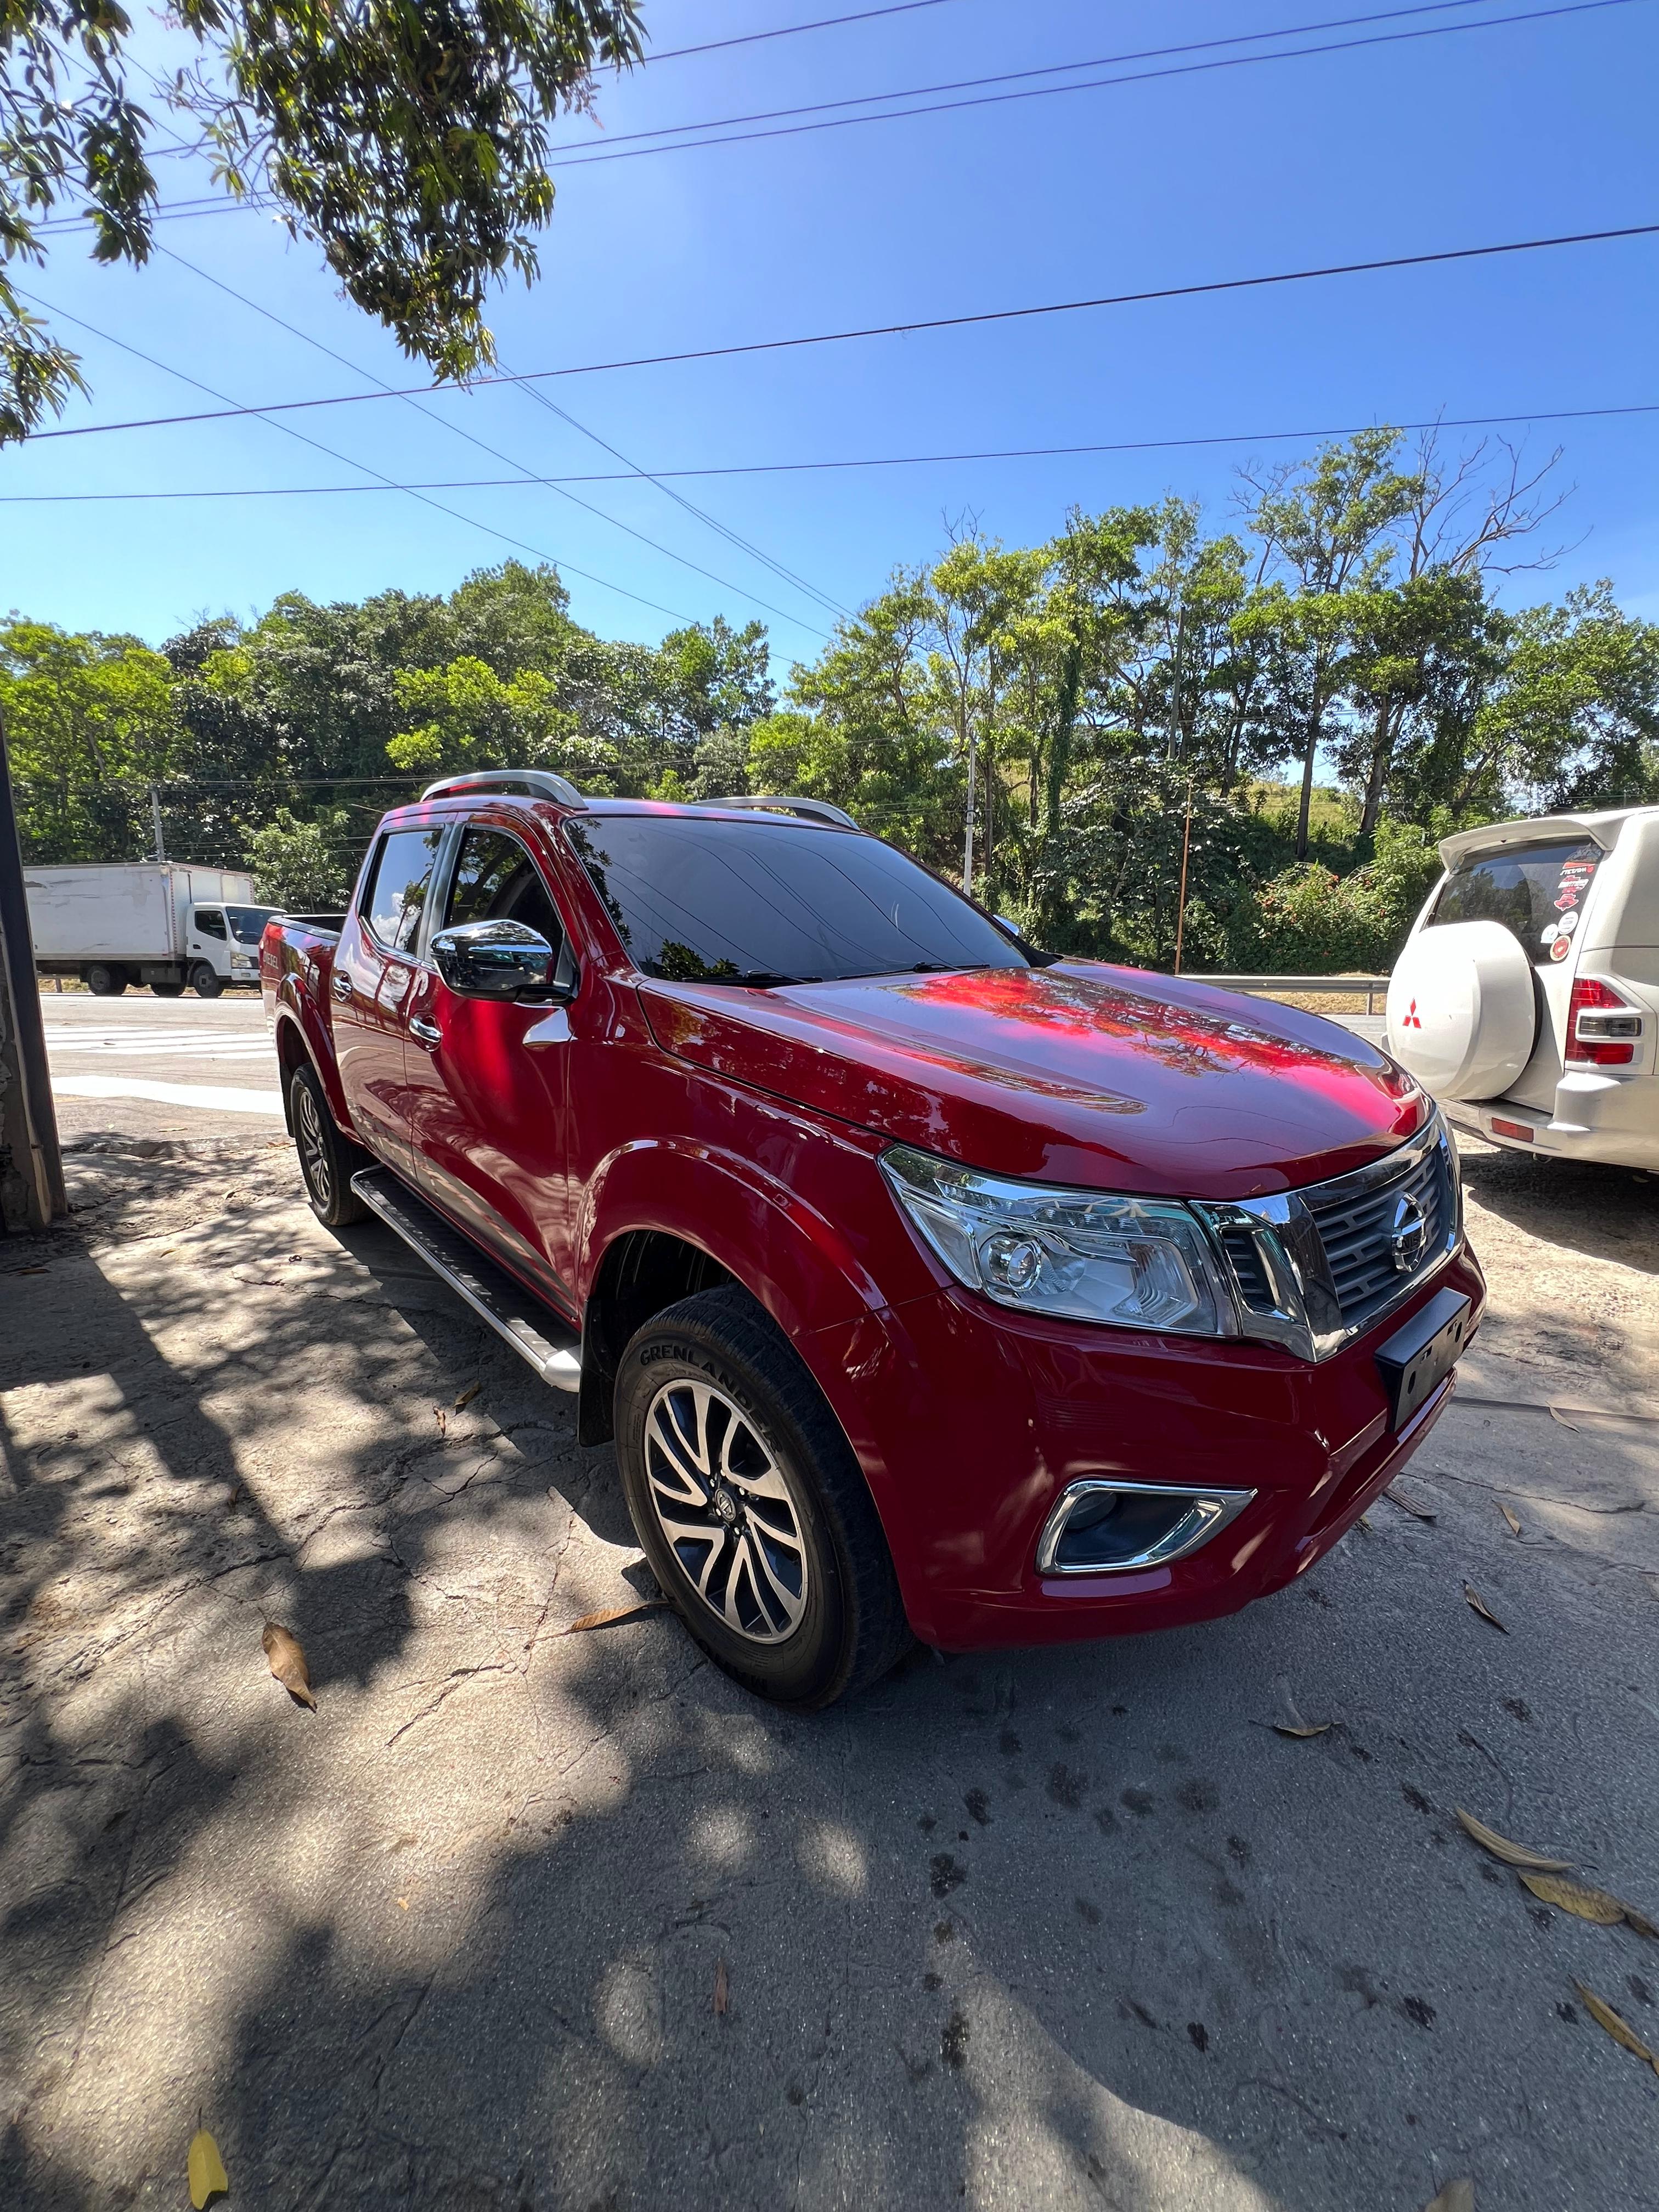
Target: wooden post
[{"x": 31, "y": 1169}]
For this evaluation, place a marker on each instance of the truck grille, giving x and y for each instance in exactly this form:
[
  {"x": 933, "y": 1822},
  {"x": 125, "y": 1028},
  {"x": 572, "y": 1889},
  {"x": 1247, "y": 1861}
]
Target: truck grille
[
  {"x": 1312, "y": 1267},
  {"x": 1357, "y": 1232}
]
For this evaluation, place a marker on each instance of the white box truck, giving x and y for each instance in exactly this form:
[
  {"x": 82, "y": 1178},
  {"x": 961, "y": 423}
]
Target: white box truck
[{"x": 162, "y": 923}]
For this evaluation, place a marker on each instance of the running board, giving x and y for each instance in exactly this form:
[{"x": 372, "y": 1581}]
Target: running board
[{"x": 521, "y": 1319}]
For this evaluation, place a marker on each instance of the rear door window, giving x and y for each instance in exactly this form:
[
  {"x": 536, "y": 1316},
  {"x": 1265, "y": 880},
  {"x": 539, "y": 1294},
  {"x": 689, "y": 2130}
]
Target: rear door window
[
  {"x": 396, "y": 892},
  {"x": 1537, "y": 892}
]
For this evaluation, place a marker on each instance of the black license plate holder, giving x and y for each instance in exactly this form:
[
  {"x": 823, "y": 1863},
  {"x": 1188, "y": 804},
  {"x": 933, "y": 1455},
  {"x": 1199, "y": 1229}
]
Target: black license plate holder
[{"x": 1416, "y": 1358}]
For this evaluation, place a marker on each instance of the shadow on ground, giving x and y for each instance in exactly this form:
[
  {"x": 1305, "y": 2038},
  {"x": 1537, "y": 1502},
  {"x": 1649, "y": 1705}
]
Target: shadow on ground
[{"x": 1060, "y": 1928}]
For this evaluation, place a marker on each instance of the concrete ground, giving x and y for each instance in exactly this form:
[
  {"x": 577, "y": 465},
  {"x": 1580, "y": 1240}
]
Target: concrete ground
[{"x": 1062, "y": 1929}]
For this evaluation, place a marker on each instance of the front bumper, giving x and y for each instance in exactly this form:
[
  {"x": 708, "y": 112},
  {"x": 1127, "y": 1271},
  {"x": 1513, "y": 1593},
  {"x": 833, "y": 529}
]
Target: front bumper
[{"x": 971, "y": 1422}]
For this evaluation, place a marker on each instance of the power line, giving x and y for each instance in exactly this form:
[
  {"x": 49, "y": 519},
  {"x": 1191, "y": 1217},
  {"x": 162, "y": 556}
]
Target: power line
[
  {"x": 582, "y": 158},
  {"x": 578, "y": 156},
  {"x": 288, "y": 430},
  {"x": 1442, "y": 255},
  {"x": 793, "y": 30},
  {"x": 869, "y": 461},
  {"x": 1051, "y": 69},
  {"x": 526, "y": 474}
]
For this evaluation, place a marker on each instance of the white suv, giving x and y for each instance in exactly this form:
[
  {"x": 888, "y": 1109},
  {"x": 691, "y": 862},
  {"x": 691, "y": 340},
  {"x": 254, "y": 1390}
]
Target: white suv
[{"x": 1526, "y": 997}]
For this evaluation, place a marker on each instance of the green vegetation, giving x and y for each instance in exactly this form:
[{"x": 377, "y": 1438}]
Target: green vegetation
[
  {"x": 1325, "y": 692},
  {"x": 409, "y": 144}
]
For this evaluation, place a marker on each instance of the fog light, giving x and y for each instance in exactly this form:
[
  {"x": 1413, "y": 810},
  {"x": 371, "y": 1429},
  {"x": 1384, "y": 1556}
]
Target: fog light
[{"x": 1102, "y": 1527}]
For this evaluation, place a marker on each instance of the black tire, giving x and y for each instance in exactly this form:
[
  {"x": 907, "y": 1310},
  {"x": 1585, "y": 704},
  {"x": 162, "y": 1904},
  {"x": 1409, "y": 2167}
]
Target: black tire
[
  {"x": 205, "y": 982},
  {"x": 168, "y": 990},
  {"x": 820, "y": 1599},
  {"x": 327, "y": 1160},
  {"x": 105, "y": 981}
]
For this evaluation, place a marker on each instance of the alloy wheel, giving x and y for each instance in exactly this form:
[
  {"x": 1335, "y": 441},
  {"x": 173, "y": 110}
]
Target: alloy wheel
[
  {"x": 311, "y": 1141},
  {"x": 726, "y": 1511}
]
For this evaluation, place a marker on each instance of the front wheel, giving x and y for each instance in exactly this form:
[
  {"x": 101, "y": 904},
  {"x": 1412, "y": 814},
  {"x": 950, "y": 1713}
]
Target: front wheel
[
  {"x": 327, "y": 1160},
  {"x": 205, "y": 982},
  {"x": 751, "y": 1506}
]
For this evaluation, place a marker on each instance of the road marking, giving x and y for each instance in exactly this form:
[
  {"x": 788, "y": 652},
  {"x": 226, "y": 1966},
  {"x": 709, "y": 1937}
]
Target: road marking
[{"x": 215, "y": 1098}]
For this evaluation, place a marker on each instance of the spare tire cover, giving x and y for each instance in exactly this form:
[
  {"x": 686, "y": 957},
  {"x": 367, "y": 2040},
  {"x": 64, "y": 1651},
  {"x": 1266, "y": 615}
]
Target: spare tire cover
[{"x": 1463, "y": 1009}]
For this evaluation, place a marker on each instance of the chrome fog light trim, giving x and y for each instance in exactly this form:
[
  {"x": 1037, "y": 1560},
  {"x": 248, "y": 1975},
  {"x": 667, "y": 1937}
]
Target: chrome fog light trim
[{"x": 1207, "y": 1513}]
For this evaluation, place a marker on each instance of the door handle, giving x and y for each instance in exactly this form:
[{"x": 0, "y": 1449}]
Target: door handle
[
  {"x": 425, "y": 1032},
  {"x": 340, "y": 985}
]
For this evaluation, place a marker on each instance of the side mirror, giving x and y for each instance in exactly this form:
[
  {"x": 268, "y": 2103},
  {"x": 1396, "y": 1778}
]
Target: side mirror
[{"x": 503, "y": 960}]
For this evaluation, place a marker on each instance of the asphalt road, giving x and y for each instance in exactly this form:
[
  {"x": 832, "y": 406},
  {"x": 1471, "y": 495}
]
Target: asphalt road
[
  {"x": 143, "y": 1066},
  {"x": 523, "y": 1921}
]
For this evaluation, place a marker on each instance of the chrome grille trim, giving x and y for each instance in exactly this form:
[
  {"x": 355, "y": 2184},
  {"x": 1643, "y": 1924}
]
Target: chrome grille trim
[{"x": 1312, "y": 1268}]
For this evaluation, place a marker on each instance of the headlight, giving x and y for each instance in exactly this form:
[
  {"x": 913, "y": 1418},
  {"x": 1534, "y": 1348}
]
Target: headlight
[{"x": 1131, "y": 1262}]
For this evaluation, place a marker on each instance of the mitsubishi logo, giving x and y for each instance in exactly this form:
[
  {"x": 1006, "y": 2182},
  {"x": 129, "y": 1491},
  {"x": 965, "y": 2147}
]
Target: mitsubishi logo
[
  {"x": 1408, "y": 1233},
  {"x": 1413, "y": 1020}
]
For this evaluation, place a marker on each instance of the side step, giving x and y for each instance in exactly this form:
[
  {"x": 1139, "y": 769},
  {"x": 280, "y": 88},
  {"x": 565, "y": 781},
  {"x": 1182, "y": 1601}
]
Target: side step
[{"x": 525, "y": 1323}]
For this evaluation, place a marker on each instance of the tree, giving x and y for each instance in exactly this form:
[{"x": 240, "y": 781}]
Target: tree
[
  {"x": 303, "y": 867},
  {"x": 410, "y": 144},
  {"x": 92, "y": 726},
  {"x": 1324, "y": 525}
]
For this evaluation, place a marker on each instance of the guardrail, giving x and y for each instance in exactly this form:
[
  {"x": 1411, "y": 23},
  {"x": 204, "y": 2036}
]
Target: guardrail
[{"x": 1266, "y": 986}]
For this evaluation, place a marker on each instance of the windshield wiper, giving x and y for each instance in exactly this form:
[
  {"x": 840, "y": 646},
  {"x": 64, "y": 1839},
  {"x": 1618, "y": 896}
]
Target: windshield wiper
[{"x": 763, "y": 979}]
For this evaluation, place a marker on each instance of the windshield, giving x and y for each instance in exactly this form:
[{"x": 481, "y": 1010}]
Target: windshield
[
  {"x": 776, "y": 901},
  {"x": 247, "y": 923},
  {"x": 1535, "y": 891}
]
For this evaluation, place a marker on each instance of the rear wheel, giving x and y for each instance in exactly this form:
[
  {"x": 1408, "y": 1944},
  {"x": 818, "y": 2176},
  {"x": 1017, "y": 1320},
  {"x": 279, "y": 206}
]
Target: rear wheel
[
  {"x": 167, "y": 990},
  {"x": 105, "y": 981},
  {"x": 327, "y": 1160},
  {"x": 751, "y": 1506},
  {"x": 205, "y": 982}
]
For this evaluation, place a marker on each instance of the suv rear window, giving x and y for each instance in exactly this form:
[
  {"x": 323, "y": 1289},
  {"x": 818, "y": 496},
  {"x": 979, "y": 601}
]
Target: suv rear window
[
  {"x": 773, "y": 902},
  {"x": 397, "y": 897},
  {"x": 1536, "y": 891}
]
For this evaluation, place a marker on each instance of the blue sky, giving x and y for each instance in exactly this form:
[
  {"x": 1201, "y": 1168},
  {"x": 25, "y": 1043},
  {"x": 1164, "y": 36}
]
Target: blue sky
[{"x": 1526, "y": 129}]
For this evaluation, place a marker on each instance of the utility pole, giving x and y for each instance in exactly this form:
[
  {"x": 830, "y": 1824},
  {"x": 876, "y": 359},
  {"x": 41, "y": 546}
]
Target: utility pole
[
  {"x": 31, "y": 1168},
  {"x": 1181, "y": 902},
  {"x": 967, "y": 836},
  {"x": 155, "y": 818}
]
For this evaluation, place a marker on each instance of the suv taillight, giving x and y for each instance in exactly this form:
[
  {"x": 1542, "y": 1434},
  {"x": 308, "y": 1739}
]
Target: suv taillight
[{"x": 1602, "y": 1026}]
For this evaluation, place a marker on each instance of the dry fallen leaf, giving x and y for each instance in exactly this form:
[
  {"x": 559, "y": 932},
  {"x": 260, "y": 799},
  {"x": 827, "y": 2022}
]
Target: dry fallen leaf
[
  {"x": 1418, "y": 1512},
  {"x": 1621, "y": 2032},
  {"x": 722, "y": 1990},
  {"x": 465, "y": 1397},
  {"x": 1456, "y": 2197},
  {"x": 404, "y": 1901},
  {"x": 1597, "y": 1905},
  {"x": 1514, "y": 1855},
  {"x": 1479, "y": 1605},
  {"x": 1556, "y": 1414},
  {"x": 1285, "y": 1728},
  {"x": 1514, "y": 1526},
  {"x": 205, "y": 2169},
  {"x": 1573, "y": 1897},
  {"x": 286, "y": 1655},
  {"x": 1366, "y": 1522},
  {"x": 610, "y": 1613}
]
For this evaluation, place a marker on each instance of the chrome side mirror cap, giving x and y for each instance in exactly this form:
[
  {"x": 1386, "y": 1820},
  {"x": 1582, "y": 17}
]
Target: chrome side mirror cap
[{"x": 503, "y": 960}]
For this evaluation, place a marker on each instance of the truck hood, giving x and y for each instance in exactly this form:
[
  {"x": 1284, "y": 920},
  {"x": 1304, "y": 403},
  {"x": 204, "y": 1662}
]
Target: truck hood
[{"x": 1109, "y": 1079}]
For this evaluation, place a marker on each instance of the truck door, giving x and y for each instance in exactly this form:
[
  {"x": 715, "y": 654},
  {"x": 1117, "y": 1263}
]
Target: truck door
[
  {"x": 374, "y": 971},
  {"x": 489, "y": 1109},
  {"x": 207, "y": 943}
]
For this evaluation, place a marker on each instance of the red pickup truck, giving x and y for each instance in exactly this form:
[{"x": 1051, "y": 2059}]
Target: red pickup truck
[{"x": 926, "y": 1283}]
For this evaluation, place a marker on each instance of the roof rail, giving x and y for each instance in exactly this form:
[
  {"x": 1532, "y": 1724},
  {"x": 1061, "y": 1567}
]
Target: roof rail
[
  {"x": 523, "y": 782},
  {"x": 813, "y": 810}
]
